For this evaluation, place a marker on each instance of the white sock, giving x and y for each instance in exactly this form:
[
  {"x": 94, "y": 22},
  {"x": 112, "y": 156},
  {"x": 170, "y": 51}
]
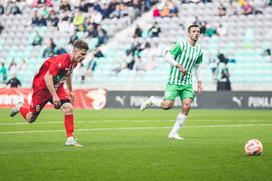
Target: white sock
[
  {"x": 70, "y": 138},
  {"x": 156, "y": 102},
  {"x": 178, "y": 124}
]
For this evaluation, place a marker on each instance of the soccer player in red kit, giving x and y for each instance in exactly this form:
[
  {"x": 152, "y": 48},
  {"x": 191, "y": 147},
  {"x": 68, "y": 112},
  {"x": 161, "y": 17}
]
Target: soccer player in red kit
[{"x": 48, "y": 87}]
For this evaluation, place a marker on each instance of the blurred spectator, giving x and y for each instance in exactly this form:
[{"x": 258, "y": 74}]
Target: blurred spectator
[
  {"x": 147, "y": 5},
  {"x": 65, "y": 6},
  {"x": 106, "y": 10},
  {"x": 22, "y": 65},
  {"x": 12, "y": 67},
  {"x": 60, "y": 50},
  {"x": 3, "y": 72},
  {"x": 14, "y": 82},
  {"x": 213, "y": 66},
  {"x": 81, "y": 73},
  {"x": 102, "y": 36},
  {"x": 247, "y": 9},
  {"x": 130, "y": 63},
  {"x": 222, "y": 58},
  {"x": 137, "y": 7},
  {"x": 92, "y": 57},
  {"x": 96, "y": 18},
  {"x": 96, "y": 6},
  {"x": 156, "y": 12},
  {"x": 12, "y": 8},
  {"x": 38, "y": 20},
  {"x": 37, "y": 39},
  {"x": 267, "y": 54},
  {"x": 83, "y": 6},
  {"x": 197, "y": 21},
  {"x": 79, "y": 20},
  {"x": 73, "y": 37},
  {"x": 2, "y": 9},
  {"x": 222, "y": 10},
  {"x": 138, "y": 31},
  {"x": 221, "y": 30},
  {"x": 203, "y": 27},
  {"x": 149, "y": 56},
  {"x": 53, "y": 19},
  {"x": 65, "y": 26},
  {"x": 154, "y": 30},
  {"x": 49, "y": 51},
  {"x": 233, "y": 8},
  {"x": 40, "y": 3},
  {"x": 173, "y": 9},
  {"x": 1, "y": 28},
  {"x": 134, "y": 47},
  {"x": 210, "y": 31},
  {"x": 44, "y": 12},
  {"x": 124, "y": 63},
  {"x": 165, "y": 11},
  {"x": 120, "y": 11},
  {"x": 223, "y": 83},
  {"x": 92, "y": 31}
]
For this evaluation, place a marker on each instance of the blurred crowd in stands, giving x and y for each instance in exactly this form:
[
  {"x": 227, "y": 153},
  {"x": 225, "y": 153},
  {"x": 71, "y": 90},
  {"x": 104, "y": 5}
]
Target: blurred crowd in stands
[{"x": 85, "y": 17}]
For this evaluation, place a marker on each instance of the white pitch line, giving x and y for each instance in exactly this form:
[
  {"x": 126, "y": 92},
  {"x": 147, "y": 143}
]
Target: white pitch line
[
  {"x": 120, "y": 121},
  {"x": 137, "y": 128}
]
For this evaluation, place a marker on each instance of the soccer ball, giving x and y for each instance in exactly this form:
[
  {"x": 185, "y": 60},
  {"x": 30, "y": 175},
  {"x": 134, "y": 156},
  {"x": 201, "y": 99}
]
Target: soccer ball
[{"x": 254, "y": 147}]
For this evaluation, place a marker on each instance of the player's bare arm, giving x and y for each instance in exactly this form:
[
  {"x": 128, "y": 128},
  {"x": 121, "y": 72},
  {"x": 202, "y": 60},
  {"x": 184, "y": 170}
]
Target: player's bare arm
[
  {"x": 199, "y": 82},
  {"x": 70, "y": 88},
  {"x": 50, "y": 85},
  {"x": 199, "y": 86}
]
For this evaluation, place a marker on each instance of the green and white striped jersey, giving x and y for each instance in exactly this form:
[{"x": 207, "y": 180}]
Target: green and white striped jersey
[{"x": 187, "y": 56}]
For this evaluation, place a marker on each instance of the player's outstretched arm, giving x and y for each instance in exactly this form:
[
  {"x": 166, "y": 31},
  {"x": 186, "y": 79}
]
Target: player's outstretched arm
[{"x": 50, "y": 86}]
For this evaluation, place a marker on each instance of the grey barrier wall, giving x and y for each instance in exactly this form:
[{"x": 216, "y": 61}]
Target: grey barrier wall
[{"x": 207, "y": 100}]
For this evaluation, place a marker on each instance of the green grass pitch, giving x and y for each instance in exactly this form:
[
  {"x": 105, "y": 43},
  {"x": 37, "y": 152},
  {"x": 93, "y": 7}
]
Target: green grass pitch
[{"x": 126, "y": 144}]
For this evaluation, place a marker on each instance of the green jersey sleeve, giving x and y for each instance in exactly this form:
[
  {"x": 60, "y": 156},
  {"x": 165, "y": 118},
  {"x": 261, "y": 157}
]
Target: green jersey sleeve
[
  {"x": 199, "y": 59},
  {"x": 176, "y": 50}
]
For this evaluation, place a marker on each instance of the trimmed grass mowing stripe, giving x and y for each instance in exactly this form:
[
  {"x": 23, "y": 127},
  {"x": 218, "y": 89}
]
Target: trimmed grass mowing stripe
[
  {"x": 127, "y": 121},
  {"x": 137, "y": 128}
]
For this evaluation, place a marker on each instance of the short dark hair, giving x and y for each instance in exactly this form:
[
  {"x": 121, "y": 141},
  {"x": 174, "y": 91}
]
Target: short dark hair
[
  {"x": 80, "y": 44},
  {"x": 193, "y": 26}
]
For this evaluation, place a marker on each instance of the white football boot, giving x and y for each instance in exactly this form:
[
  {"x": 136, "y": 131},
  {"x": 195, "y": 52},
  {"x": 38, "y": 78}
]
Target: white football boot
[
  {"x": 147, "y": 103},
  {"x": 175, "y": 137},
  {"x": 71, "y": 142},
  {"x": 16, "y": 108}
]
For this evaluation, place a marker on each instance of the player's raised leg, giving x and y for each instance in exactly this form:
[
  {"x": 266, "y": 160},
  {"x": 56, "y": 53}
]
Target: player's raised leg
[
  {"x": 25, "y": 112},
  {"x": 67, "y": 109},
  {"x": 149, "y": 102},
  {"x": 16, "y": 109}
]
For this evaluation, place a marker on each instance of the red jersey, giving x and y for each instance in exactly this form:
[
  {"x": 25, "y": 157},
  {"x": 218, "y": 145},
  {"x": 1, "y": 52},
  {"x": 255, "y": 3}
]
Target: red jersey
[{"x": 59, "y": 67}]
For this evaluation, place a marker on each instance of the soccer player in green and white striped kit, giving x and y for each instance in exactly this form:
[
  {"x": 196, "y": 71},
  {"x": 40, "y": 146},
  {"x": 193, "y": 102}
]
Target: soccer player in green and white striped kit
[{"x": 184, "y": 57}]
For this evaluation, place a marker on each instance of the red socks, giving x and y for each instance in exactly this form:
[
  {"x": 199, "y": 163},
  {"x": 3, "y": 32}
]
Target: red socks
[
  {"x": 69, "y": 124},
  {"x": 24, "y": 111}
]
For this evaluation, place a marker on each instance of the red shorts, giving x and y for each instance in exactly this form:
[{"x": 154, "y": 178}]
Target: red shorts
[{"x": 41, "y": 97}]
